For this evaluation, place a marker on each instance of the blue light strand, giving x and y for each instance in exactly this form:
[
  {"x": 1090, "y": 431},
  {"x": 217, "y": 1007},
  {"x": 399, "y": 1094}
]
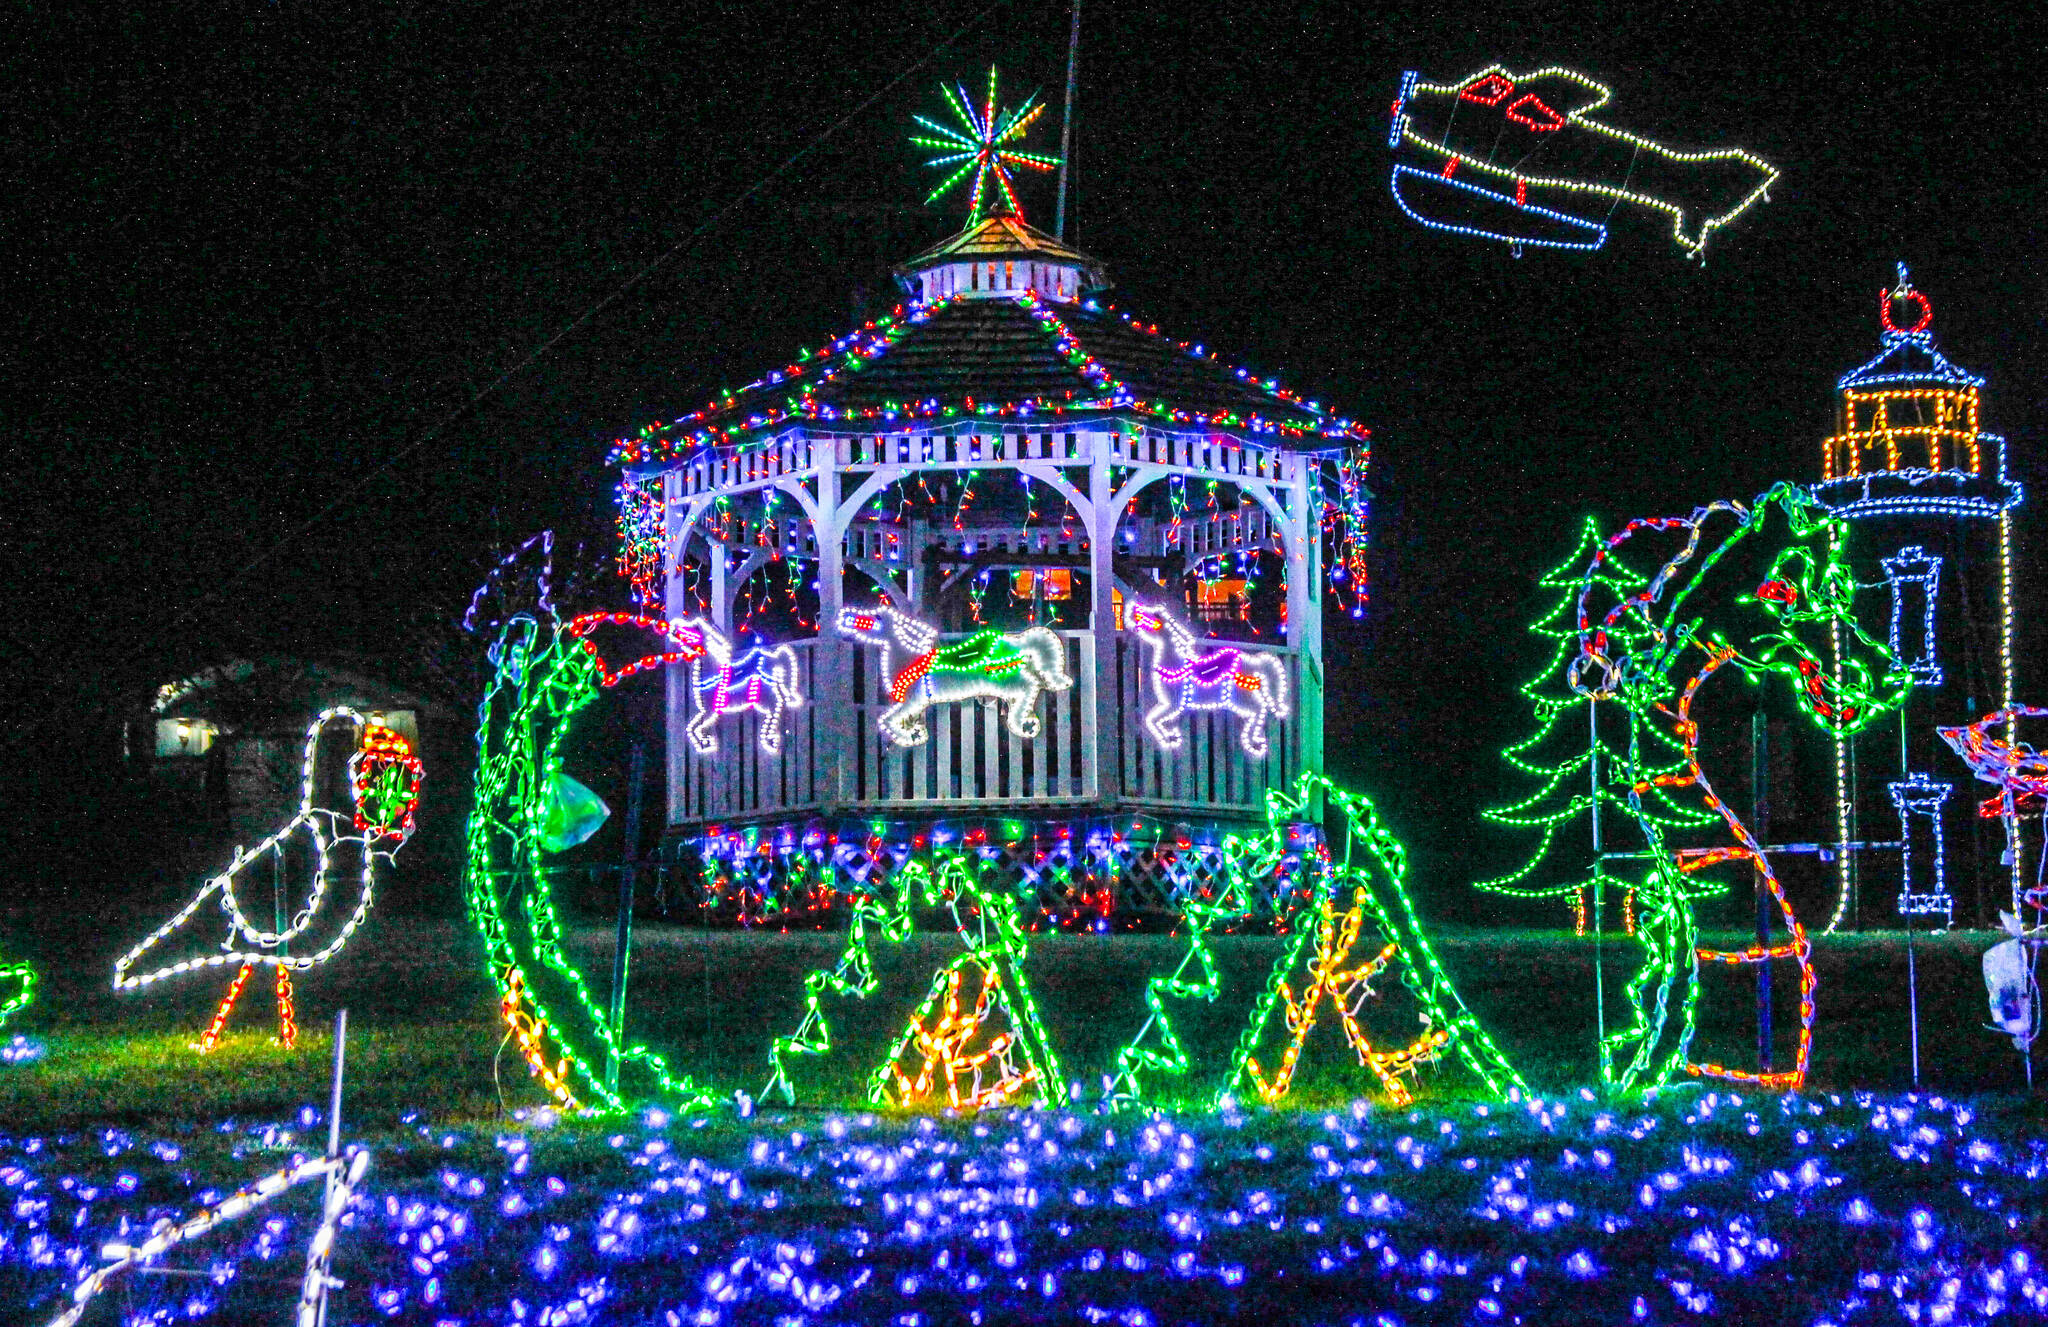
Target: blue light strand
[{"x": 1473, "y": 1214}]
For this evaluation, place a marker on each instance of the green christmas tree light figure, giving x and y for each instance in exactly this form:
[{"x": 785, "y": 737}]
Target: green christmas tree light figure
[
  {"x": 1557, "y": 752},
  {"x": 17, "y": 989},
  {"x": 977, "y": 149}
]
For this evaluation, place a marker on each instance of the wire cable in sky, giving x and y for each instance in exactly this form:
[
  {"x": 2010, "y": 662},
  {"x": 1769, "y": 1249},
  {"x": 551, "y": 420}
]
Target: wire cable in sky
[{"x": 980, "y": 14}]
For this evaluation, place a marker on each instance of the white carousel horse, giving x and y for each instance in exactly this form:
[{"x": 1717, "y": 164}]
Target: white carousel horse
[
  {"x": 1013, "y": 668},
  {"x": 765, "y": 680},
  {"x": 384, "y": 782},
  {"x": 1250, "y": 684}
]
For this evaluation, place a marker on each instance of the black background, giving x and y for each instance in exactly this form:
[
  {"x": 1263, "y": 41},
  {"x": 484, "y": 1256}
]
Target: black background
[{"x": 257, "y": 247}]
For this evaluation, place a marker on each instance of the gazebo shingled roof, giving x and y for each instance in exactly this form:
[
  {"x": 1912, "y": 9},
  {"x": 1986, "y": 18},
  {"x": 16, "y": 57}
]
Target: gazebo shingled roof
[{"x": 1020, "y": 356}]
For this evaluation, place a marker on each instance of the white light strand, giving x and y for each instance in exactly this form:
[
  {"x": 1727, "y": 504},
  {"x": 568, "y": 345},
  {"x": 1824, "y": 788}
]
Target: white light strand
[
  {"x": 347, "y": 1170},
  {"x": 248, "y": 943},
  {"x": 1251, "y": 684}
]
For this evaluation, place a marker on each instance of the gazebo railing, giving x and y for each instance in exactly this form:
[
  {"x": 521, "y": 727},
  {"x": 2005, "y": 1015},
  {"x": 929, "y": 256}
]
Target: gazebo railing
[
  {"x": 834, "y": 755},
  {"x": 971, "y": 756},
  {"x": 1210, "y": 769}
]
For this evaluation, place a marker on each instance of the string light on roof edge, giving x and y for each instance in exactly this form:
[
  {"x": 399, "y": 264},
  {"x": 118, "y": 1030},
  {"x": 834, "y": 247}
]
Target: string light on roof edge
[
  {"x": 384, "y": 779},
  {"x": 978, "y": 148},
  {"x": 1512, "y": 117}
]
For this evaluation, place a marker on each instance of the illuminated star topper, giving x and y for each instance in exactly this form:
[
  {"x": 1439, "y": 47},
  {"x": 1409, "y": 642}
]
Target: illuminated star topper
[{"x": 976, "y": 148}]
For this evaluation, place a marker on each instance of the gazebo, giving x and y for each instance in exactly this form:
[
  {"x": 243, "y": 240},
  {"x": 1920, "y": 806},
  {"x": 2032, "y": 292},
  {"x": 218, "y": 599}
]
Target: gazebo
[{"x": 1008, "y": 564}]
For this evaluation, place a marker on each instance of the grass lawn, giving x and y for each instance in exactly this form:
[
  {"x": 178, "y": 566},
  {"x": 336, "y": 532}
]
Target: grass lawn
[
  {"x": 1842, "y": 1206},
  {"x": 425, "y": 1034}
]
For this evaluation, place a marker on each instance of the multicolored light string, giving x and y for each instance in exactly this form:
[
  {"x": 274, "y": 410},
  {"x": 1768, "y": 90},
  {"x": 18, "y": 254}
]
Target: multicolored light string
[{"x": 1515, "y": 117}]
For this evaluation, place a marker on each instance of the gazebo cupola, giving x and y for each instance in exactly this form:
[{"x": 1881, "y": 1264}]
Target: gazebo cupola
[
  {"x": 996, "y": 257},
  {"x": 1002, "y": 552}
]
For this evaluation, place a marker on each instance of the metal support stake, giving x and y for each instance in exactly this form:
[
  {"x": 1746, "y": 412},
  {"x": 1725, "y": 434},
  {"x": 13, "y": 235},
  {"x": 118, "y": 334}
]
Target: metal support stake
[
  {"x": 1912, "y": 965},
  {"x": 333, "y": 1135},
  {"x": 623, "y": 943},
  {"x": 1760, "y": 813},
  {"x": 1059, "y": 225},
  {"x": 1599, "y": 874}
]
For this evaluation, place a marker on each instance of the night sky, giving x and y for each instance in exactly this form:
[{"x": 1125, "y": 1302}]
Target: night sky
[{"x": 259, "y": 247}]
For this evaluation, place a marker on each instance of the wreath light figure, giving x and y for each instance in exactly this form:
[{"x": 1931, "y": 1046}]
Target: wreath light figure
[
  {"x": 384, "y": 783},
  {"x": 1651, "y": 653},
  {"x": 1249, "y": 684},
  {"x": 1014, "y": 668}
]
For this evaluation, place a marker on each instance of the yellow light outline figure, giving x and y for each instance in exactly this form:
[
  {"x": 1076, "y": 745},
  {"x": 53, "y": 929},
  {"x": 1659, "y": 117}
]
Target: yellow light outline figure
[
  {"x": 1580, "y": 117},
  {"x": 1348, "y": 989},
  {"x": 940, "y": 1032}
]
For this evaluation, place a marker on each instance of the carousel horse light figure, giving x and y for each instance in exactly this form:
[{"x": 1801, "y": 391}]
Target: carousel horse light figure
[
  {"x": 384, "y": 787},
  {"x": 1014, "y": 668},
  {"x": 1250, "y": 684},
  {"x": 1652, "y": 652},
  {"x": 765, "y": 679}
]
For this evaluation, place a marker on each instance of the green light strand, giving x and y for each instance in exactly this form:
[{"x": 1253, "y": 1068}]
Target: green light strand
[
  {"x": 23, "y": 995},
  {"x": 523, "y": 721}
]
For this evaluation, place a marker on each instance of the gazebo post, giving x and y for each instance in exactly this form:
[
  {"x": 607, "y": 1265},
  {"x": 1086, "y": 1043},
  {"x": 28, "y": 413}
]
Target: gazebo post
[
  {"x": 1101, "y": 517},
  {"x": 675, "y": 531},
  {"x": 832, "y": 679},
  {"x": 1304, "y": 621}
]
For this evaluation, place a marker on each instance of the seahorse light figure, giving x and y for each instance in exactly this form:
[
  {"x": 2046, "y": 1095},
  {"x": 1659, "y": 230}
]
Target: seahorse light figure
[
  {"x": 1652, "y": 652},
  {"x": 1014, "y": 668},
  {"x": 1250, "y": 684},
  {"x": 354, "y": 840}
]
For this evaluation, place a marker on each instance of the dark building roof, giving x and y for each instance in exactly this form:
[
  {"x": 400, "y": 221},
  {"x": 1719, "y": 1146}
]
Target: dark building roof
[
  {"x": 1909, "y": 357},
  {"x": 1004, "y": 359}
]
